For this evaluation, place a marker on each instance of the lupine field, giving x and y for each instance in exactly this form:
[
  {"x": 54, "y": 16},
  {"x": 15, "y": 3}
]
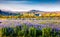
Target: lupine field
[{"x": 29, "y": 28}]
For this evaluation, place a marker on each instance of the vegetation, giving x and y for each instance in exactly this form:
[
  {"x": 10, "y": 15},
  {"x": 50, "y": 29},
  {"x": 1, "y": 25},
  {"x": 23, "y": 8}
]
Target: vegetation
[
  {"x": 50, "y": 16},
  {"x": 25, "y": 31}
]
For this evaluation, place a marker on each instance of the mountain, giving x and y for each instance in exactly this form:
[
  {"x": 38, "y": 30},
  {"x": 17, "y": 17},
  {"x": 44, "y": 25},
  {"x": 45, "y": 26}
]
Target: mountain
[
  {"x": 7, "y": 13},
  {"x": 35, "y": 11},
  {"x": 11, "y": 13}
]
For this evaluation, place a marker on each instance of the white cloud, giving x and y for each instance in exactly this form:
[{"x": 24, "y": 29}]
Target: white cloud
[{"x": 25, "y": 7}]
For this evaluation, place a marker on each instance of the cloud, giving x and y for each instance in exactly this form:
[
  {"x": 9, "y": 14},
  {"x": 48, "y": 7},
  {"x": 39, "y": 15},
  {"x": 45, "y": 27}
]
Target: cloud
[
  {"x": 23, "y": 7},
  {"x": 28, "y": 5}
]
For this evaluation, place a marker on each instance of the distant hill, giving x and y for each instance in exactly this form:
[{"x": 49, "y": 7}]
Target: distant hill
[
  {"x": 35, "y": 11},
  {"x": 7, "y": 13},
  {"x": 11, "y": 13}
]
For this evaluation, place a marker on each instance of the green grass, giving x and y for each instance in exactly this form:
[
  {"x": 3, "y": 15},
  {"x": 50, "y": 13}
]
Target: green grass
[{"x": 28, "y": 32}]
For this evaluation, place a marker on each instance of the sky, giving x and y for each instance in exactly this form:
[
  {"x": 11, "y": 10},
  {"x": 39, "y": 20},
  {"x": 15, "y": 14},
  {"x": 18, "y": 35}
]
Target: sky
[{"x": 26, "y": 5}]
